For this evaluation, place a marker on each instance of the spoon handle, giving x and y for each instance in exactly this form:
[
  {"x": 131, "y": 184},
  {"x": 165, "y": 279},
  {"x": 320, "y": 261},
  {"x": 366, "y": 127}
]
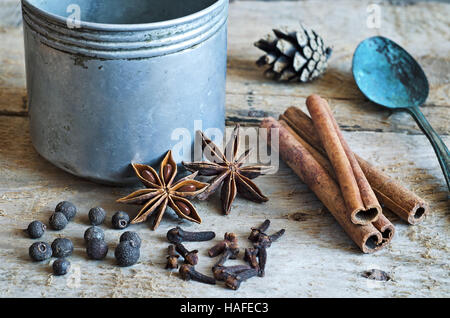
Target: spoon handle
[{"x": 439, "y": 146}]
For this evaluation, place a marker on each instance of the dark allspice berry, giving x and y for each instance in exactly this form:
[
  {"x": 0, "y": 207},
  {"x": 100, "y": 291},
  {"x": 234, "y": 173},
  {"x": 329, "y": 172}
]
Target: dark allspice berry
[
  {"x": 58, "y": 221},
  {"x": 40, "y": 251},
  {"x": 36, "y": 229},
  {"x": 96, "y": 249},
  {"x": 67, "y": 208},
  {"x": 61, "y": 266},
  {"x": 147, "y": 175},
  {"x": 131, "y": 236},
  {"x": 94, "y": 232},
  {"x": 62, "y": 247},
  {"x": 97, "y": 215},
  {"x": 127, "y": 253},
  {"x": 120, "y": 220}
]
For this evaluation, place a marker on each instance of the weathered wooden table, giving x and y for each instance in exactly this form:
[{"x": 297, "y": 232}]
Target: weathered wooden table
[{"x": 315, "y": 258}]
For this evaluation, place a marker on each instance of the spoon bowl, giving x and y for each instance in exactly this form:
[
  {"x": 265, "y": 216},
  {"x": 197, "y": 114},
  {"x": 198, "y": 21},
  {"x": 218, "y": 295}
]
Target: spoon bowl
[{"x": 389, "y": 76}]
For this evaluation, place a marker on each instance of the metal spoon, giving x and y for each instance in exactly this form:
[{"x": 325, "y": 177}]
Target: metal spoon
[{"x": 387, "y": 75}]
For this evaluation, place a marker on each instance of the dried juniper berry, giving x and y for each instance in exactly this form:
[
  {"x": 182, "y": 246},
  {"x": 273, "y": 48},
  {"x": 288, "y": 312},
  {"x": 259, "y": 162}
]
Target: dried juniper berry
[
  {"x": 120, "y": 220},
  {"x": 94, "y": 232},
  {"x": 96, "y": 249},
  {"x": 36, "y": 229},
  {"x": 127, "y": 253},
  {"x": 58, "y": 221},
  {"x": 97, "y": 215},
  {"x": 40, "y": 251},
  {"x": 67, "y": 208},
  {"x": 62, "y": 247},
  {"x": 131, "y": 236},
  {"x": 61, "y": 266}
]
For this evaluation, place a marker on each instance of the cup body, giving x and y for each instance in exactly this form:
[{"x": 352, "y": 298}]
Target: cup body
[{"x": 112, "y": 89}]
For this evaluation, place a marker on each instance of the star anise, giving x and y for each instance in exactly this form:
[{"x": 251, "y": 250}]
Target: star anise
[
  {"x": 228, "y": 171},
  {"x": 162, "y": 191}
]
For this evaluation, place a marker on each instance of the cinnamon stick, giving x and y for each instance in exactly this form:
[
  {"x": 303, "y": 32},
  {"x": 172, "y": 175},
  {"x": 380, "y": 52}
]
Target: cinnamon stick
[
  {"x": 382, "y": 224},
  {"x": 368, "y": 237},
  {"x": 391, "y": 194},
  {"x": 362, "y": 204}
]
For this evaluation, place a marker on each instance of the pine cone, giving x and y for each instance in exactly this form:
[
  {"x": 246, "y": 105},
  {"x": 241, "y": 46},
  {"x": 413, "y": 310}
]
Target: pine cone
[{"x": 293, "y": 54}]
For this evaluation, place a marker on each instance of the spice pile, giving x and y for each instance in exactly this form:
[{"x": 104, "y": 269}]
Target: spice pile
[
  {"x": 232, "y": 276},
  {"x": 226, "y": 167},
  {"x": 127, "y": 252},
  {"x": 346, "y": 184},
  {"x": 162, "y": 191}
]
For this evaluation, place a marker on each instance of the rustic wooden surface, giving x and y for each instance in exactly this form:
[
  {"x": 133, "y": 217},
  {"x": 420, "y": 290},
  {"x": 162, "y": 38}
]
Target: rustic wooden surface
[{"x": 315, "y": 258}]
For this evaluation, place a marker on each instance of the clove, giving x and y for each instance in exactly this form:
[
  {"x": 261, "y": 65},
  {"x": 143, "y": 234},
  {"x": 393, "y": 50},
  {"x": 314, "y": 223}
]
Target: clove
[
  {"x": 261, "y": 242},
  {"x": 190, "y": 257},
  {"x": 172, "y": 258},
  {"x": 227, "y": 254},
  {"x": 223, "y": 272},
  {"x": 262, "y": 260},
  {"x": 257, "y": 230},
  {"x": 234, "y": 281},
  {"x": 250, "y": 257},
  {"x": 178, "y": 235},
  {"x": 230, "y": 242},
  {"x": 267, "y": 240},
  {"x": 188, "y": 272}
]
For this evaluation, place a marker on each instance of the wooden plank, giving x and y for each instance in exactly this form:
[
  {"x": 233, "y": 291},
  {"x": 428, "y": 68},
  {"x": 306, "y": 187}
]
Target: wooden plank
[
  {"x": 10, "y": 13},
  {"x": 315, "y": 250},
  {"x": 250, "y": 94},
  {"x": 250, "y": 108},
  {"x": 315, "y": 258},
  {"x": 415, "y": 27}
]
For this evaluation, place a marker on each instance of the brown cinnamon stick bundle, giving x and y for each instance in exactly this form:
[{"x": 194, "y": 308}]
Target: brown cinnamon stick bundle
[
  {"x": 389, "y": 192},
  {"x": 382, "y": 224},
  {"x": 294, "y": 151},
  {"x": 362, "y": 204}
]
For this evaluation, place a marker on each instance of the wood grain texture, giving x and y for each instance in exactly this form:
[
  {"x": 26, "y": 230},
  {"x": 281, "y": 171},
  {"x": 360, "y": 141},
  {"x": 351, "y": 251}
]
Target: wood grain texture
[
  {"x": 315, "y": 251},
  {"x": 419, "y": 28},
  {"x": 250, "y": 96}
]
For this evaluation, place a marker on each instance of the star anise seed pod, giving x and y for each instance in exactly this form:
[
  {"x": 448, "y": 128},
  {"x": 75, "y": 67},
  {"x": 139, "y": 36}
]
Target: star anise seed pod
[
  {"x": 162, "y": 191},
  {"x": 228, "y": 171}
]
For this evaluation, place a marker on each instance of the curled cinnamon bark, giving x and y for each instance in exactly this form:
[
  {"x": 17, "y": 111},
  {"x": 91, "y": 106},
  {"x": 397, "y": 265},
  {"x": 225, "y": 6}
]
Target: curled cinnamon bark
[
  {"x": 382, "y": 224},
  {"x": 362, "y": 204},
  {"x": 389, "y": 192},
  {"x": 312, "y": 173}
]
